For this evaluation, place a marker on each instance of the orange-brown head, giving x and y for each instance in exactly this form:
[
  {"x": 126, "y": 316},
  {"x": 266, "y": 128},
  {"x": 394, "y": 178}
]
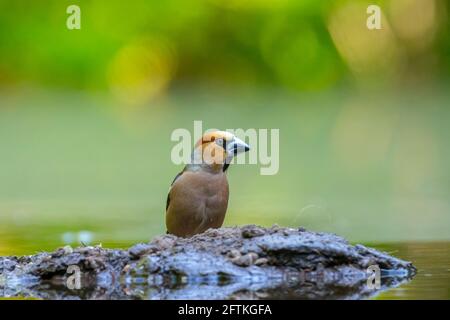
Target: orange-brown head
[{"x": 216, "y": 149}]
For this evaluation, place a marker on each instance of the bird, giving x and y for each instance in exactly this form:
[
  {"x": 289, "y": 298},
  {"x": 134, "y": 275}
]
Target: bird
[{"x": 198, "y": 196}]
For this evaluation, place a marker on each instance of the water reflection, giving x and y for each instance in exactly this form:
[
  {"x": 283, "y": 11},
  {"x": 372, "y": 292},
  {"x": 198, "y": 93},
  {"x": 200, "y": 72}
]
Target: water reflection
[{"x": 432, "y": 280}]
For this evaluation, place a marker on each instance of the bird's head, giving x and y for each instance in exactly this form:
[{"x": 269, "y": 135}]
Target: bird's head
[{"x": 216, "y": 149}]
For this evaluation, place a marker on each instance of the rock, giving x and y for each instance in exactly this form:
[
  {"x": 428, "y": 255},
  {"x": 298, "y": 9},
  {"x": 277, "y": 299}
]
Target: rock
[
  {"x": 252, "y": 231},
  {"x": 261, "y": 261},
  {"x": 221, "y": 263},
  {"x": 245, "y": 260}
]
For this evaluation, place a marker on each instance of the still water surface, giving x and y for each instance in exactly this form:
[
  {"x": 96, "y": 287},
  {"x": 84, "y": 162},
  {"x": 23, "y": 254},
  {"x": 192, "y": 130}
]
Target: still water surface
[
  {"x": 432, "y": 260},
  {"x": 371, "y": 168}
]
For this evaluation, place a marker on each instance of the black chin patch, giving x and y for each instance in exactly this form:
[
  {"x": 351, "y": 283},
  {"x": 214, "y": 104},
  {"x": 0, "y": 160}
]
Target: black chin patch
[{"x": 224, "y": 144}]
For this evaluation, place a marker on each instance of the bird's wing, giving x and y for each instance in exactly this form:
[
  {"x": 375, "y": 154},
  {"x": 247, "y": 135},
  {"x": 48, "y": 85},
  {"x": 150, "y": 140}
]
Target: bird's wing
[{"x": 168, "y": 195}]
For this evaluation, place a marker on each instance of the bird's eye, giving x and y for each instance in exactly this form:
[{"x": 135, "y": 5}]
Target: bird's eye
[{"x": 219, "y": 142}]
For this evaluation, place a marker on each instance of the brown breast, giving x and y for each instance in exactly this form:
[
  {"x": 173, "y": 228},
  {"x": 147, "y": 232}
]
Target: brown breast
[{"x": 198, "y": 201}]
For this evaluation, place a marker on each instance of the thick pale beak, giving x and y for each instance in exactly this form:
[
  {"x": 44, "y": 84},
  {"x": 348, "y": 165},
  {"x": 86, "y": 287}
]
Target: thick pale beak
[{"x": 237, "y": 146}]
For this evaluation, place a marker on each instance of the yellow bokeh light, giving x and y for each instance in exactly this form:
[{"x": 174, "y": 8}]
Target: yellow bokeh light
[
  {"x": 141, "y": 71},
  {"x": 414, "y": 21},
  {"x": 367, "y": 52}
]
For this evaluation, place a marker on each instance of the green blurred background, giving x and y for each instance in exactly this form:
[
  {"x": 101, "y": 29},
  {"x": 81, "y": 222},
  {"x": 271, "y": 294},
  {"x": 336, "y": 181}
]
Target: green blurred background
[{"x": 86, "y": 115}]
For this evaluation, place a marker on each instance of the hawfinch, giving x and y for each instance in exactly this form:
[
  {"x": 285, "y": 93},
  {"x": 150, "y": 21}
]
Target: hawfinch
[{"x": 198, "y": 196}]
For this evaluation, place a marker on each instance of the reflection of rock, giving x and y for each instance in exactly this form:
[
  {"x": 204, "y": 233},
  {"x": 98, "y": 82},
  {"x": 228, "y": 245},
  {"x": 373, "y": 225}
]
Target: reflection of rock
[{"x": 246, "y": 262}]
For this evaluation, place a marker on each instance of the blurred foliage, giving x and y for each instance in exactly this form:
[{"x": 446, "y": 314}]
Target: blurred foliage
[{"x": 144, "y": 47}]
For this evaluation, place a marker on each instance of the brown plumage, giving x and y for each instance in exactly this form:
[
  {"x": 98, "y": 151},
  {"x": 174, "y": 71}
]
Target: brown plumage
[{"x": 198, "y": 197}]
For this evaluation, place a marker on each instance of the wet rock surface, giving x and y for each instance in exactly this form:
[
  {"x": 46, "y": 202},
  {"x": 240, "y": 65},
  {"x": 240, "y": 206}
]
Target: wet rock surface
[{"x": 247, "y": 262}]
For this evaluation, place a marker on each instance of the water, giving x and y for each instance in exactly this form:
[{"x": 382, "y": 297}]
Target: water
[
  {"x": 432, "y": 260},
  {"x": 371, "y": 168},
  {"x": 432, "y": 281}
]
